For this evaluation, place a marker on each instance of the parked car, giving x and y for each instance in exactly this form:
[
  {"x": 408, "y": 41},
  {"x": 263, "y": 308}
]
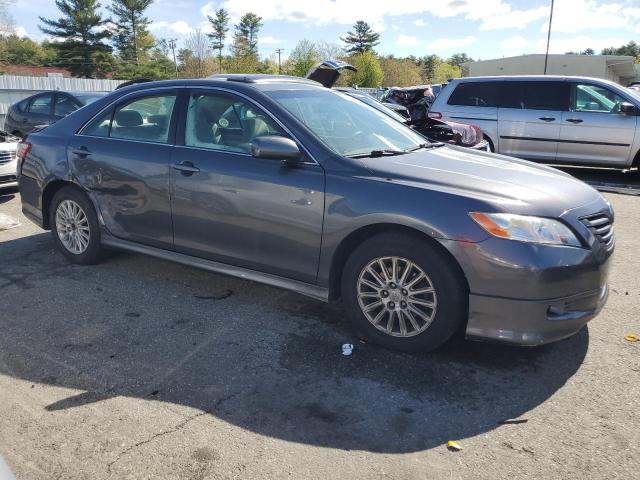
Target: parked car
[
  {"x": 45, "y": 108},
  {"x": 551, "y": 119},
  {"x": 282, "y": 181},
  {"x": 328, "y": 72},
  {"x": 8, "y": 160}
]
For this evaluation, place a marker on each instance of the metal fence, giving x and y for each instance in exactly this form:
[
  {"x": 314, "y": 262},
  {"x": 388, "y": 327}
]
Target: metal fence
[{"x": 14, "y": 88}]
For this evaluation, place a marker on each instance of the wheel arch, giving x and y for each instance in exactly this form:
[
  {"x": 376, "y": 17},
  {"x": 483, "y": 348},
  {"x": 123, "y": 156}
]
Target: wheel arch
[
  {"x": 48, "y": 193},
  {"x": 358, "y": 236},
  {"x": 636, "y": 160}
]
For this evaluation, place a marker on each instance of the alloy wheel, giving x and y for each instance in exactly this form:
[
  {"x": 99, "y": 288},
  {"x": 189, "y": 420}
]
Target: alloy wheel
[{"x": 72, "y": 227}]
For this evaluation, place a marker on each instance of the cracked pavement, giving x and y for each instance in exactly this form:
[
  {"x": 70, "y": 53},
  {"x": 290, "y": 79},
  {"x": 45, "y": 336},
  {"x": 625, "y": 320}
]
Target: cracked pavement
[{"x": 138, "y": 368}]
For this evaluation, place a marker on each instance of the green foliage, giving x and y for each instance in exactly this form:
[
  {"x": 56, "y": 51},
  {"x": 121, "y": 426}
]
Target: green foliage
[
  {"x": 16, "y": 50},
  {"x": 429, "y": 64},
  {"x": 632, "y": 49},
  {"x": 362, "y": 40},
  {"x": 220, "y": 25},
  {"x": 369, "y": 74},
  {"x": 153, "y": 71},
  {"x": 131, "y": 29},
  {"x": 302, "y": 58},
  {"x": 457, "y": 59},
  {"x": 444, "y": 71},
  {"x": 83, "y": 31},
  {"x": 400, "y": 72},
  {"x": 245, "y": 38}
]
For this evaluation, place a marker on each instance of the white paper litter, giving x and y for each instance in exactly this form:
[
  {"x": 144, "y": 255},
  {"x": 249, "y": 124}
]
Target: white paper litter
[{"x": 7, "y": 222}]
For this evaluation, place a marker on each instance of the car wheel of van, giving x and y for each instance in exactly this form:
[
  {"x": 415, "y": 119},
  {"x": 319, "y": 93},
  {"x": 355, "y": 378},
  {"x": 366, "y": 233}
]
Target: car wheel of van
[
  {"x": 403, "y": 294},
  {"x": 74, "y": 225},
  {"x": 492, "y": 149}
]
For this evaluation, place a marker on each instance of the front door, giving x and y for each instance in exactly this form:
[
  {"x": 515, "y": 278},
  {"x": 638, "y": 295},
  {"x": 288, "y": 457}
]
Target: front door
[
  {"x": 233, "y": 208},
  {"x": 595, "y": 131},
  {"x": 529, "y": 118},
  {"x": 122, "y": 158}
]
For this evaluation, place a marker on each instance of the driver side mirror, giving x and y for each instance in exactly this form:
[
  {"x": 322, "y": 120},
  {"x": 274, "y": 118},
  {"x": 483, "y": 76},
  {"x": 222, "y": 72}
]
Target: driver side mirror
[
  {"x": 276, "y": 147},
  {"x": 627, "y": 108}
]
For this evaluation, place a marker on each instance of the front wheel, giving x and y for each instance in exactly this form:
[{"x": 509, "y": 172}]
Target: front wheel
[
  {"x": 403, "y": 293},
  {"x": 74, "y": 225}
]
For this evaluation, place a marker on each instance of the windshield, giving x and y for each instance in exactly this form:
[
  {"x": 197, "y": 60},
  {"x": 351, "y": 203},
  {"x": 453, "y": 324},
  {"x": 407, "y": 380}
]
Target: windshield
[
  {"x": 87, "y": 98},
  {"x": 369, "y": 100},
  {"x": 346, "y": 125}
]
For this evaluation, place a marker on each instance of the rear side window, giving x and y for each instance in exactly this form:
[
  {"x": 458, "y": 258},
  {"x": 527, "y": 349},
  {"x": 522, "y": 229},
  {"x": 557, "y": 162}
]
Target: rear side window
[
  {"x": 144, "y": 119},
  {"x": 41, "y": 105},
  {"x": 64, "y": 105},
  {"x": 475, "y": 94},
  {"x": 534, "y": 95}
]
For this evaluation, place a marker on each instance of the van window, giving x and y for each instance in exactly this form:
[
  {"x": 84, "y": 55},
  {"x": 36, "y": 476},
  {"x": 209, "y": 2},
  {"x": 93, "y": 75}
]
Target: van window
[
  {"x": 594, "y": 98},
  {"x": 475, "y": 94},
  {"x": 534, "y": 95}
]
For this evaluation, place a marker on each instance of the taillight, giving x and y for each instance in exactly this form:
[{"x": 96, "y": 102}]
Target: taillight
[{"x": 436, "y": 115}]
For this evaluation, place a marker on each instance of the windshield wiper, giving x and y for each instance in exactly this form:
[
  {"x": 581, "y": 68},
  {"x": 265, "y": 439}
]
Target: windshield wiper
[
  {"x": 425, "y": 145},
  {"x": 377, "y": 153}
]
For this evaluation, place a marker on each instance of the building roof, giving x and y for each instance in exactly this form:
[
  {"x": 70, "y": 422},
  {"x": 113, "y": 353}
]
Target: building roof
[{"x": 32, "y": 71}]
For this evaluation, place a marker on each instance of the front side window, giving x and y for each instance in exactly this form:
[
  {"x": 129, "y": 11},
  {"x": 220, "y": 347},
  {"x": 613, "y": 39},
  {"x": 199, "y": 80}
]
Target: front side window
[
  {"x": 347, "y": 126},
  {"x": 526, "y": 95},
  {"x": 475, "y": 94},
  {"x": 144, "y": 119},
  {"x": 41, "y": 105},
  {"x": 221, "y": 121},
  {"x": 594, "y": 98},
  {"x": 64, "y": 105}
]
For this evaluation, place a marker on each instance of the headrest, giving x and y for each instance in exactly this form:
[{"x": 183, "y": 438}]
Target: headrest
[{"x": 128, "y": 118}]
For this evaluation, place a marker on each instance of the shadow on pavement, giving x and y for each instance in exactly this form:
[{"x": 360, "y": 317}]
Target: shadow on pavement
[{"x": 262, "y": 359}]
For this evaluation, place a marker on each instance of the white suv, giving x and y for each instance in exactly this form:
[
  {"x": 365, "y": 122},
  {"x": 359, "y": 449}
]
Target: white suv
[
  {"x": 8, "y": 160},
  {"x": 552, "y": 119}
]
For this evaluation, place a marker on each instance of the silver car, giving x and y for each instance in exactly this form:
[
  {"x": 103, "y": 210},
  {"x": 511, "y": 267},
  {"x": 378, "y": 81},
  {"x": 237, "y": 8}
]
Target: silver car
[
  {"x": 8, "y": 160},
  {"x": 551, "y": 119}
]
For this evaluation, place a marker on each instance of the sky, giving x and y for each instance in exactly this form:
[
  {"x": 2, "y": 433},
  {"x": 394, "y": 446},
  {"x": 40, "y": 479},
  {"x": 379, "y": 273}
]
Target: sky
[{"x": 481, "y": 28}]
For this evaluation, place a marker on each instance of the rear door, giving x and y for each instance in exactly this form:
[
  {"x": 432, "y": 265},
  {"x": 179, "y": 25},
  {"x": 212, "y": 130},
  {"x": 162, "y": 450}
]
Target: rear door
[
  {"x": 529, "y": 118},
  {"x": 63, "y": 105},
  {"x": 122, "y": 158},
  {"x": 594, "y": 131},
  {"x": 231, "y": 207}
]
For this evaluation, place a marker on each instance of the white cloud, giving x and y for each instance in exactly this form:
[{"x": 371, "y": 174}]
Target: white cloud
[
  {"x": 21, "y": 31},
  {"x": 493, "y": 14},
  {"x": 578, "y": 43},
  {"x": 515, "y": 43},
  {"x": 407, "y": 40},
  {"x": 573, "y": 16},
  {"x": 419, "y": 22},
  {"x": 448, "y": 44},
  {"x": 268, "y": 40},
  {"x": 180, "y": 27}
]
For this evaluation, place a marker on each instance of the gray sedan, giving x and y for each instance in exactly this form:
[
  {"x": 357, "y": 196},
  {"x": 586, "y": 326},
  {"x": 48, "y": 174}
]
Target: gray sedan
[{"x": 282, "y": 181}]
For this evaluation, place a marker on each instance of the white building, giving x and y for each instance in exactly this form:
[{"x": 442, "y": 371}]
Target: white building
[{"x": 618, "y": 68}]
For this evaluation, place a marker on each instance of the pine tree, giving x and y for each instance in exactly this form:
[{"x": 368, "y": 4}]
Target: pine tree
[
  {"x": 245, "y": 39},
  {"x": 220, "y": 25},
  {"x": 131, "y": 29},
  {"x": 363, "y": 40},
  {"x": 82, "y": 30}
]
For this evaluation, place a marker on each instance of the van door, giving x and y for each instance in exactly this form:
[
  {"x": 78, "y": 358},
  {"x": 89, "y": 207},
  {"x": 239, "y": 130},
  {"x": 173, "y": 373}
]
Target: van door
[
  {"x": 529, "y": 118},
  {"x": 594, "y": 131}
]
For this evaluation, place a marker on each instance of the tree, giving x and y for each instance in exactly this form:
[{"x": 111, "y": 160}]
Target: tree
[
  {"x": 245, "y": 39},
  {"x": 631, "y": 48},
  {"x": 363, "y": 40},
  {"x": 429, "y": 65},
  {"x": 444, "y": 71},
  {"x": 82, "y": 30},
  {"x": 220, "y": 25},
  {"x": 586, "y": 51},
  {"x": 400, "y": 72},
  {"x": 15, "y": 50},
  {"x": 131, "y": 29},
  {"x": 198, "y": 62},
  {"x": 302, "y": 58},
  {"x": 369, "y": 74},
  {"x": 457, "y": 59},
  {"x": 329, "y": 51},
  {"x": 7, "y": 25}
]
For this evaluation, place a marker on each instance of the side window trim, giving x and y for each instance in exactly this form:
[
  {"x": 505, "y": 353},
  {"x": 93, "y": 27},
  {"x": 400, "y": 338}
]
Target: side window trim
[
  {"x": 182, "y": 125},
  {"x": 131, "y": 97}
]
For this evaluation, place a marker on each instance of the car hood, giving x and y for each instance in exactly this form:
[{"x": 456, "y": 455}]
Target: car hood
[{"x": 509, "y": 184}]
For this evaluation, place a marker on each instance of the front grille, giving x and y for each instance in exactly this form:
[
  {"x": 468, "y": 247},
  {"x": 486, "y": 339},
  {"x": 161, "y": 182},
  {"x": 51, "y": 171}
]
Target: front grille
[
  {"x": 602, "y": 227},
  {"x": 6, "y": 157},
  {"x": 7, "y": 179}
]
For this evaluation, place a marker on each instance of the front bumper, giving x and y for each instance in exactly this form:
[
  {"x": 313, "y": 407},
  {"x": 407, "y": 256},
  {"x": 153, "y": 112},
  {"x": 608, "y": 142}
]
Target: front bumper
[{"x": 8, "y": 174}]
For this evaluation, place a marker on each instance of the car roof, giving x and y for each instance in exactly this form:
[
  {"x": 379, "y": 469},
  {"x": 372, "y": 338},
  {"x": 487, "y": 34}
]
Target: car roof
[
  {"x": 80, "y": 93},
  {"x": 533, "y": 77}
]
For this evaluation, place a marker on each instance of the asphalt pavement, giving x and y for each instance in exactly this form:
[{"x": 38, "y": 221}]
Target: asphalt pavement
[{"x": 139, "y": 368}]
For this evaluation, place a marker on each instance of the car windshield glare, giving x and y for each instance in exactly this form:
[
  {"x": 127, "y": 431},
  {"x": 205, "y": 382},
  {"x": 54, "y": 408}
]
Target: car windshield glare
[{"x": 346, "y": 125}]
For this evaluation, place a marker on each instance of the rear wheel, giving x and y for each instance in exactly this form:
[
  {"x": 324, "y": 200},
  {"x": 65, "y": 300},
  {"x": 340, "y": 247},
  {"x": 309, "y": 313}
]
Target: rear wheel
[
  {"x": 74, "y": 225},
  {"x": 403, "y": 293}
]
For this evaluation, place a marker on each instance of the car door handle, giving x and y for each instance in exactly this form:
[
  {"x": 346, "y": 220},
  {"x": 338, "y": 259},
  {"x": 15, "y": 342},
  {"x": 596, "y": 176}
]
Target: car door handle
[
  {"x": 574, "y": 120},
  {"x": 548, "y": 119},
  {"x": 186, "y": 168},
  {"x": 82, "y": 152}
]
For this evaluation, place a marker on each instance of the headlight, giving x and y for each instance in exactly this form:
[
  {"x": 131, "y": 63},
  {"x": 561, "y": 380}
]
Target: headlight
[{"x": 526, "y": 229}]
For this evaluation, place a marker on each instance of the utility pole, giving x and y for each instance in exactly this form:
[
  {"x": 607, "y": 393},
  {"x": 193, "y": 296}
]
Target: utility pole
[
  {"x": 279, "y": 52},
  {"x": 546, "y": 56},
  {"x": 172, "y": 46}
]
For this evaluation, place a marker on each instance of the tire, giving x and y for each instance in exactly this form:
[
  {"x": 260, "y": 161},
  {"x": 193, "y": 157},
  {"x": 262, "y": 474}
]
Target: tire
[
  {"x": 437, "y": 324},
  {"x": 492, "y": 149},
  {"x": 85, "y": 250}
]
